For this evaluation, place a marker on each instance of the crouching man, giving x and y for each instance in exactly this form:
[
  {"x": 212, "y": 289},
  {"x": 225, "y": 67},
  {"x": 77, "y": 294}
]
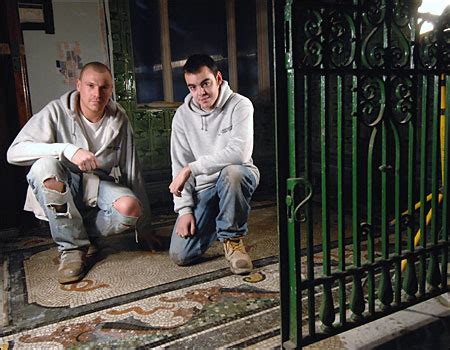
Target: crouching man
[
  {"x": 213, "y": 172},
  {"x": 84, "y": 177}
]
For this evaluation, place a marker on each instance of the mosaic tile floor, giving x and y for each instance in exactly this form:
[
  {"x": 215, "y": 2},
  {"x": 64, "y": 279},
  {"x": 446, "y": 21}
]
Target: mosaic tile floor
[
  {"x": 230, "y": 306},
  {"x": 132, "y": 298}
]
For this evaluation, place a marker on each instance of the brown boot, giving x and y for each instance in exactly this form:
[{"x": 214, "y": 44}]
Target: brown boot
[
  {"x": 235, "y": 253},
  {"x": 71, "y": 266}
]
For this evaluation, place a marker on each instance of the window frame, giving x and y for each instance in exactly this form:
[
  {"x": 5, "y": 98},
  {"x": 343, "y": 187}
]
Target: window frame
[{"x": 262, "y": 52}]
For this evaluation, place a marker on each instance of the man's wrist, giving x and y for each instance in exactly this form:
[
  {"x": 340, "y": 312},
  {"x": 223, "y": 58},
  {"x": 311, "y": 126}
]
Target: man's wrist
[
  {"x": 70, "y": 150},
  {"x": 195, "y": 168},
  {"x": 184, "y": 211}
]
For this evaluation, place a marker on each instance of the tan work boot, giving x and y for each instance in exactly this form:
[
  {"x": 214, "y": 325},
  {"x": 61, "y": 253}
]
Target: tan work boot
[
  {"x": 235, "y": 253},
  {"x": 71, "y": 266}
]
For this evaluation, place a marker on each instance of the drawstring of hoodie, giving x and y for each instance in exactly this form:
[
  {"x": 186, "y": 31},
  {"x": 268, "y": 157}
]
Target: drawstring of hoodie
[{"x": 204, "y": 123}]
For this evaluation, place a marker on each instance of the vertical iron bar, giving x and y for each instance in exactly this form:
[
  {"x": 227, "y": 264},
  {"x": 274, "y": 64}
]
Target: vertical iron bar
[
  {"x": 385, "y": 285},
  {"x": 445, "y": 193},
  {"x": 324, "y": 174},
  {"x": 434, "y": 160},
  {"x": 294, "y": 307},
  {"x": 410, "y": 279},
  {"x": 340, "y": 213},
  {"x": 309, "y": 218},
  {"x": 370, "y": 233},
  {"x": 357, "y": 303},
  {"x": 433, "y": 273},
  {"x": 398, "y": 241},
  {"x": 355, "y": 144},
  {"x": 326, "y": 311},
  {"x": 423, "y": 178},
  {"x": 357, "y": 296},
  {"x": 384, "y": 234}
]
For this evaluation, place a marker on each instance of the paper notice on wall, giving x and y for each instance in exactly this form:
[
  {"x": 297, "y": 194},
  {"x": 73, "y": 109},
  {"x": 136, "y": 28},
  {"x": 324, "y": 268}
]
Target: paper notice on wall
[{"x": 69, "y": 63}]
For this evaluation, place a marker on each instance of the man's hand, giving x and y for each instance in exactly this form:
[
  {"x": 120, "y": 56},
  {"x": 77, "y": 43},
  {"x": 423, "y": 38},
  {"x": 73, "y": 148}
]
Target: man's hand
[
  {"x": 177, "y": 185},
  {"x": 185, "y": 225},
  {"x": 85, "y": 160}
]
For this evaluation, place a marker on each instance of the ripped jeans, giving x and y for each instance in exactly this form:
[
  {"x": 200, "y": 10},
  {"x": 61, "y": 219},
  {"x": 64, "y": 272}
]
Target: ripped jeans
[
  {"x": 221, "y": 212},
  {"x": 77, "y": 224}
]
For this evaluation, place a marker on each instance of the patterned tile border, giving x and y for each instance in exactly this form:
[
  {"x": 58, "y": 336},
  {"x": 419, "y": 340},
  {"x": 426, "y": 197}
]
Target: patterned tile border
[{"x": 214, "y": 307}]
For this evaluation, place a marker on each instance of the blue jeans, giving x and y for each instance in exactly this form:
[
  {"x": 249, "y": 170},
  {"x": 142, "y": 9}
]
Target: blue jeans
[
  {"x": 73, "y": 228},
  {"x": 221, "y": 212}
]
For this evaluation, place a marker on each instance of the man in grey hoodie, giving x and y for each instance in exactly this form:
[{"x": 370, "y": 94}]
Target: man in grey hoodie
[
  {"x": 213, "y": 172},
  {"x": 84, "y": 177}
]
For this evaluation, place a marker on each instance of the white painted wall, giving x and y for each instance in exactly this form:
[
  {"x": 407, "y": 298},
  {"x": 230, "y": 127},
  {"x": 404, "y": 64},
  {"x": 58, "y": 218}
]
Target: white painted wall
[{"x": 79, "y": 21}]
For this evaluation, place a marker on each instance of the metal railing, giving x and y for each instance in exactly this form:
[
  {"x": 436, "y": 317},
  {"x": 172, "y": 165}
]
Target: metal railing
[{"x": 367, "y": 194}]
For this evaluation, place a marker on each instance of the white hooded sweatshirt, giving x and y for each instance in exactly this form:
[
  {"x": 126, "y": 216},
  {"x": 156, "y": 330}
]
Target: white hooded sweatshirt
[
  {"x": 56, "y": 131},
  {"x": 209, "y": 141}
]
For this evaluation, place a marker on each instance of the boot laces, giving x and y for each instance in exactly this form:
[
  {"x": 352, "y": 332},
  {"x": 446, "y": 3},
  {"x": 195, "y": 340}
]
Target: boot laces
[{"x": 236, "y": 245}]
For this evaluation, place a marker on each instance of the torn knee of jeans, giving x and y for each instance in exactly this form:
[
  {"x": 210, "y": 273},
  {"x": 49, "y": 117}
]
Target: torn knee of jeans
[
  {"x": 56, "y": 182},
  {"x": 57, "y": 201},
  {"x": 123, "y": 223},
  {"x": 60, "y": 210},
  {"x": 128, "y": 206},
  {"x": 52, "y": 197}
]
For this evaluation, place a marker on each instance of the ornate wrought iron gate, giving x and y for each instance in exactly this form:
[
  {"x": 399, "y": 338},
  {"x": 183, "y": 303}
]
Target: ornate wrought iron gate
[{"x": 367, "y": 193}]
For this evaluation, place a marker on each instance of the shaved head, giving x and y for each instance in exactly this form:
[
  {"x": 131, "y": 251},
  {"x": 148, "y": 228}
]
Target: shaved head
[{"x": 95, "y": 66}]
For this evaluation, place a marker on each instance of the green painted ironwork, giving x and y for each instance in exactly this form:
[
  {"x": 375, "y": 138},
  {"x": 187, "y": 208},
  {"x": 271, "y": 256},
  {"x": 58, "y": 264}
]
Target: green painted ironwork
[
  {"x": 433, "y": 273},
  {"x": 309, "y": 223},
  {"x": 368, "y": 145},
  {"x": 423, "y": 179},
  {"x": 446, "y": 163}
]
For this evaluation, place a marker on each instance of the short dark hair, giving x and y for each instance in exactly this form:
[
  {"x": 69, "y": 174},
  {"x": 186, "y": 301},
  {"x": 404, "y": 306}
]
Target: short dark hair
[
  {"x": 195, "y": 62},
  {"x": 96, "y": 66}
]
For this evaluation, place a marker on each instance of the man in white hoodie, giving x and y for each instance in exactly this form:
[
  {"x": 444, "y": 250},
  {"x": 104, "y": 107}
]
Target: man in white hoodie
[
  {"x": 213, "y": 172},
  {"x": 84, "y": 177}
]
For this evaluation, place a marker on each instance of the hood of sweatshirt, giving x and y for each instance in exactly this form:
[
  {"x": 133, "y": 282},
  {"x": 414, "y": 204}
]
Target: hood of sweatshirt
[
  {"x": 224, "y": 94},
  {"x": 70, "y": 102}
]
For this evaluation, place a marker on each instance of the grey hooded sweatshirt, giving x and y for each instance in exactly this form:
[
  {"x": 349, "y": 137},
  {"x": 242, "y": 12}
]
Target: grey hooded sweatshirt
[
  {"x": 56, "y": 131},
  {"x": 210, "y": 141}
]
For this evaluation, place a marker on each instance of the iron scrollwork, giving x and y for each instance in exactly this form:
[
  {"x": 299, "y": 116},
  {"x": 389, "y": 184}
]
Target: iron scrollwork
[
  {"x": 443, "y": 39},
  {"x": 401, "y": 99},
  {"x": 313, "y": 47},
  {"x": 342, "y": 41},
  {"x": 373, "y": 50},
  {"x": 400, "y": 47},
  {"x": 373, "y": 100},
  {"x": 427, "y": 46},
  {"x": 434, "y": 46},
  {"x": 385, "y": 44}
]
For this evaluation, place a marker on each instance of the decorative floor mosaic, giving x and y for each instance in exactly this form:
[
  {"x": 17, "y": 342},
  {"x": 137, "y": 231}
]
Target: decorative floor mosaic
[
  {"x": 132, "y": 298},
  {"x": 177, "y": 317}
]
